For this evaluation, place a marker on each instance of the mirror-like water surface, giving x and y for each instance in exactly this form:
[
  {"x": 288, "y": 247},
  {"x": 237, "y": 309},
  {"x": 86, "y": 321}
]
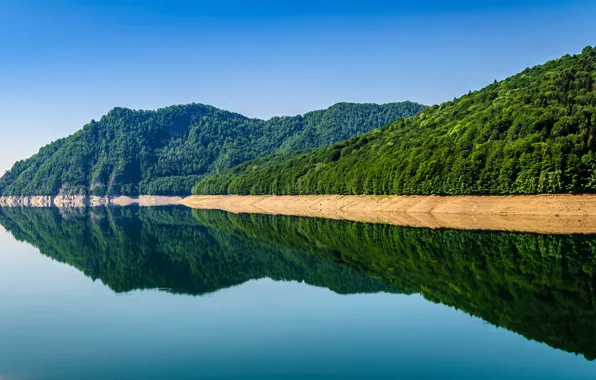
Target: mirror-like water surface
[{"x": 154, "y": 293}]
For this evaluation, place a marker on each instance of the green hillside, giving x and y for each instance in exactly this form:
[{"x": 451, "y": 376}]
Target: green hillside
[
  {"x": 534, "y": 132},
  {"x": 167, "y": 151}
]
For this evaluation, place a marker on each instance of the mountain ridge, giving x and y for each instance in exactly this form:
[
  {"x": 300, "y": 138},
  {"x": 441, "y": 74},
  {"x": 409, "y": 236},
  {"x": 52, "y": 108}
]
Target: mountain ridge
[
  {"x": 166, "y": 151},
  {"x": 534, "y": 132}
]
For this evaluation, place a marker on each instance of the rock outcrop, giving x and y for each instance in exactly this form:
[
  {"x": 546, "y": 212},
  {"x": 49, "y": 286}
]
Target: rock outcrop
[
  {"x": 38, "y": 201},
  {"x": 79, "y": 201}
]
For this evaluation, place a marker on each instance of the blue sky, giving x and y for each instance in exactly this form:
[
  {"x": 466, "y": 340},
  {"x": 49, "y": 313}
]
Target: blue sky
[{"x": 66, "y": 62}]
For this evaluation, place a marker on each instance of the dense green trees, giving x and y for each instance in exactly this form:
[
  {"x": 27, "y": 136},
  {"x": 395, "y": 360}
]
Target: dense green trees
[
  {"x": 532, "y": 133},
  {"x": 167, "y": 151}
]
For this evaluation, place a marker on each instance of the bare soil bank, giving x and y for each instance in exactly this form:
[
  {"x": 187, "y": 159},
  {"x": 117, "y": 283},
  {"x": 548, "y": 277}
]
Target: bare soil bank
[
  {"x": 563, "y": 214},
  {"x": 146, "y": 201}
]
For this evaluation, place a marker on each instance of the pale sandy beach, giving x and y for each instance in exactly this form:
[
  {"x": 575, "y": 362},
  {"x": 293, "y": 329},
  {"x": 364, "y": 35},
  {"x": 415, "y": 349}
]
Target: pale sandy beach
[{"x": 563, "y": 214}]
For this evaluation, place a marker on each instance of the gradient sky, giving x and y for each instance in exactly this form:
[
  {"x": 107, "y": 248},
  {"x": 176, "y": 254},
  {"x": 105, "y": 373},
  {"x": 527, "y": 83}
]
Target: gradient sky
[{"x": 66, "y": 62}]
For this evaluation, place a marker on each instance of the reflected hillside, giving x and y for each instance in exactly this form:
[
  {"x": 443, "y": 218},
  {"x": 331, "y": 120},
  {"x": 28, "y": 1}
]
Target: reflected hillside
[
  {"x": 166, "y": 248},
  {"x": 540, "y": 286}
]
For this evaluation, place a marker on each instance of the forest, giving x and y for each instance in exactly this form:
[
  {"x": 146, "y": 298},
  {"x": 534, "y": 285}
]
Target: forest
[
  {"x": 165, "y": 152},
  {"x": 534, "y": 132}
]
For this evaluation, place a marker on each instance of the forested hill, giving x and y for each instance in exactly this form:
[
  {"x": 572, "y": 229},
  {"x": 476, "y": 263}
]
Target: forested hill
[
  {"x": 534, "y": 132},
  {"x": 168, "y": 150}
]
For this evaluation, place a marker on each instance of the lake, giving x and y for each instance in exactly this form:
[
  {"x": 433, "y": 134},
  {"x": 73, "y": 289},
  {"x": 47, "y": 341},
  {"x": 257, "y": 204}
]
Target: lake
[{"x": 175, "y": 293}]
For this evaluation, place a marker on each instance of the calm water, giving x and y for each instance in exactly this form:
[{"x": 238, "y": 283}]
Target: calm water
[{"x": 169, "y": 293}]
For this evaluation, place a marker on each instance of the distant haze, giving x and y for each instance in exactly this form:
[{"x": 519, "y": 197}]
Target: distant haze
[{"x": 65, "y": 63}]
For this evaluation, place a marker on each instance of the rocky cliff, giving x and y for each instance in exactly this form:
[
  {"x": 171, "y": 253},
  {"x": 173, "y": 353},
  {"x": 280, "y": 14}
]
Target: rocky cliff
[{"x": 72, "y": 201}]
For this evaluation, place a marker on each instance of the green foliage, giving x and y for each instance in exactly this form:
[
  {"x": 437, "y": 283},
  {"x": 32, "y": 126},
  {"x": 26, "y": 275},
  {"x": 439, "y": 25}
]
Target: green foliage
[
  {"x": 532, "y": 133},
  {"x": 540, "y": 286},
  {"x": 167, "y": 151}
]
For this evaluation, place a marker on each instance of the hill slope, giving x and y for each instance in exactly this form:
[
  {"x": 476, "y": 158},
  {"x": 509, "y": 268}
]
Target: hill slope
[
  {"x": 534, "y": 132},
  {"x": 167, "y": 151}
]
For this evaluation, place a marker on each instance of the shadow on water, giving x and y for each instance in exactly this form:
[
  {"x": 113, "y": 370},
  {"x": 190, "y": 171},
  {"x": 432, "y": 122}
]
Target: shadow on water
[{"x": 540, "y": 286}]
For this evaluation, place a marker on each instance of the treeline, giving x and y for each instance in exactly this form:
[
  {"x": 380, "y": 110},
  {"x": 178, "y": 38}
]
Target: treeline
[
  {"x": 534, "y": 132},
  {"x": 167, "y": 151},
  {"x": 540, "y": 286}
]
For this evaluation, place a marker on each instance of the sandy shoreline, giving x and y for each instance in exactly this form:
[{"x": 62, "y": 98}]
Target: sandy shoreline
[
  {"x": 146, "y": 201},
  {"x": 564, "y": 214}
]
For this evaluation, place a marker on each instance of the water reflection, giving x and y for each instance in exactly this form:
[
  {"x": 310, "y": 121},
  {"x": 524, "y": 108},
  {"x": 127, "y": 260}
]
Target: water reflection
[{"x": 539, "y": 286}]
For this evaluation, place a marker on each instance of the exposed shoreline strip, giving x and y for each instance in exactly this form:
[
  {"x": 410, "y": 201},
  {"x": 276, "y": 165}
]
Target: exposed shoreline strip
[
  {"x": 560, "y": 214},
  {"x": 74, "y": 201}
]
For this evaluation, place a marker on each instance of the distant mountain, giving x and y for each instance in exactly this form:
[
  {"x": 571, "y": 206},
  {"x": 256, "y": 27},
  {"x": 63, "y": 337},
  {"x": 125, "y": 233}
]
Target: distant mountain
[
  {"x": 167, "y": 151},
  {"x": 534, "y": 132}
]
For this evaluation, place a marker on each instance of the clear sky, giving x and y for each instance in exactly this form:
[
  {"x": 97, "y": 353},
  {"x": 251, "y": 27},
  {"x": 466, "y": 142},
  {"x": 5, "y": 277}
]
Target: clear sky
[{"x": 63, "y": 63}]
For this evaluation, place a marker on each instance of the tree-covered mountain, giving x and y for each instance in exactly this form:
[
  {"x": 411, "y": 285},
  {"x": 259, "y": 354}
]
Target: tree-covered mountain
[
  {"x": 534, "y": 132},
  {"x": 167, "y": 151}
]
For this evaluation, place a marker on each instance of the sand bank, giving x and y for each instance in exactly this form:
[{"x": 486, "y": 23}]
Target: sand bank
[
  {"x": 563, "y": 214},
  {"x": 146, "y": 201}
]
